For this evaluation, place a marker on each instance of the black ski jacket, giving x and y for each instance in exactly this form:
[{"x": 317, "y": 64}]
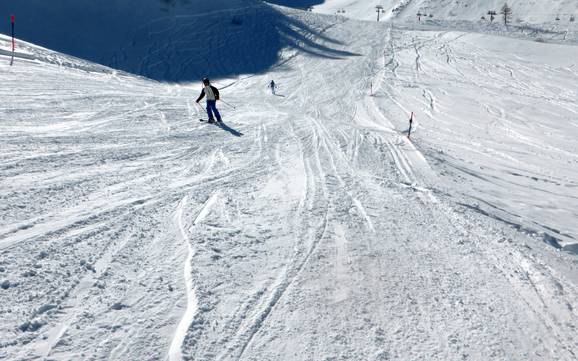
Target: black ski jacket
[{"x": 215, "y": 91}]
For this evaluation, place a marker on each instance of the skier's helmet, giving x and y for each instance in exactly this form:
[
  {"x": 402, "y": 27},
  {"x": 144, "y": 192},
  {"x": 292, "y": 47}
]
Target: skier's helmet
[{"x": 206, "y": 81}]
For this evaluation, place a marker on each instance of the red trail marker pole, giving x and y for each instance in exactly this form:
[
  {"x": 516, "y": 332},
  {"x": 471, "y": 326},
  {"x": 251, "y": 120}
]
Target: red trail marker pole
[{"x": 13, "y": 42}]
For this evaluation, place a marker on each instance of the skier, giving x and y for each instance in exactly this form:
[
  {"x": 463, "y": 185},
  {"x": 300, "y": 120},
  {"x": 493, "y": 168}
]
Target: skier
[
  {"x": 272, "y": 86},
  {"x": 212, "y": 95},
  {"x": 410, "y": 124}
]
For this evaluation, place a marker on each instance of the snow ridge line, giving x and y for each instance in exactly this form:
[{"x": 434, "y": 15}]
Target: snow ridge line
[
  {"x": 175, "y": 350},
  {"x": 62, "y": 221}
]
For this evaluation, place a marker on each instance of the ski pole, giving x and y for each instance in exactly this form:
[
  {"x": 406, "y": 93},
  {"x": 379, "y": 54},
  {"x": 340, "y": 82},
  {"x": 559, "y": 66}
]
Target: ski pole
[
  {"x": 199, "y": 105},
  {"x": 232, "y": 106}
]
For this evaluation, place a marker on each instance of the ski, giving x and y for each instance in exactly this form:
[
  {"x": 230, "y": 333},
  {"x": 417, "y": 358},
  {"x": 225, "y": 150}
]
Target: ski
[{"x": 210, "y": 122}]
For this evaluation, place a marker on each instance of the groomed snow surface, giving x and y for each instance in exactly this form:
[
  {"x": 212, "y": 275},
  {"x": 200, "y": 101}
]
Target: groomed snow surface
[{"x": 307, "y": 226}]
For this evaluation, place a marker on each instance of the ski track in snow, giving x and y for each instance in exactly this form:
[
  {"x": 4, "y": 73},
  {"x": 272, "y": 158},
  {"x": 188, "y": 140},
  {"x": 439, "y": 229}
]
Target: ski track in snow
[
  {"x": 175, "y": 352},
  {"x": 308, "y": 226}
]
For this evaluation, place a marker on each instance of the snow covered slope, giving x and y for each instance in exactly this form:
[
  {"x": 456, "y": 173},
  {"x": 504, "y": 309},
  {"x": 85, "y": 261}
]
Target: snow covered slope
[
  {"x": 523, "y": 10},
  {"x": 356, "y": 9},
  {"x": 307, "y": 227},
  {"x": 500, "y": 124}
]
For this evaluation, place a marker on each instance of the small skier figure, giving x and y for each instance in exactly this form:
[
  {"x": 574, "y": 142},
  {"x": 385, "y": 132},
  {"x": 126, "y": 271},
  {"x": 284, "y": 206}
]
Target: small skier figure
[
  {"x": 212, "y": 95},
  {"x": 410, "y": 124},
  {"x": 273, "y": 86}
]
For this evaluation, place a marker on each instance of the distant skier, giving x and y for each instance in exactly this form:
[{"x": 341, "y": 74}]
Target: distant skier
[
  {"x": 212, "y": 95},
  {"x": 273, "y": 86},
  {"x": 410, "y": 125}
]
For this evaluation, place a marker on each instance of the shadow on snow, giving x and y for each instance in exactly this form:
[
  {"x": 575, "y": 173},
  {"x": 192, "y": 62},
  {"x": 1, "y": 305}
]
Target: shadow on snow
[
  {"x": 170, "y": 40},
  {"x": 226, "y": 128}
]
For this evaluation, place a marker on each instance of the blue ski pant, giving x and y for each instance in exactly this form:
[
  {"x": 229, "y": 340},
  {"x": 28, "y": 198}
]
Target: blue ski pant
[{"x": 212, "y": 108}]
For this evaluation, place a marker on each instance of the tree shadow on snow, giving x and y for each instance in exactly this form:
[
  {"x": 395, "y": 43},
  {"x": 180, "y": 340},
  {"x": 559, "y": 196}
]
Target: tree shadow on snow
[{"x": 171, "y": 40}]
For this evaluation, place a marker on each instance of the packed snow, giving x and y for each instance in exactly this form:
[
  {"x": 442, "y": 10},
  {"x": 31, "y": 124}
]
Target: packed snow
[
  {"x": 523, "y": 11},
  {"x": 309, "y": 225}
]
